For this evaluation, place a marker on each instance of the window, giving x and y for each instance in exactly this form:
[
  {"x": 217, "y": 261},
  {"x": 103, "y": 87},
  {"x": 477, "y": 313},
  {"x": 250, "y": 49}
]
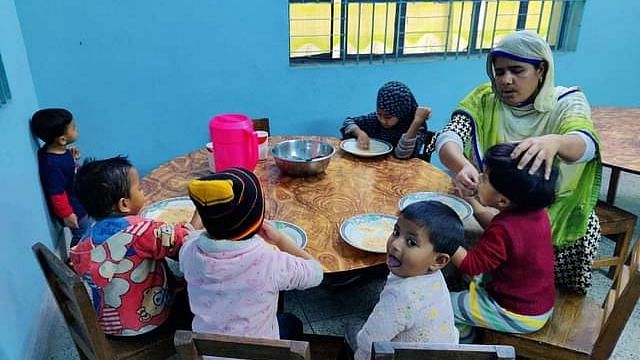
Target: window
[
  {"x": 5, "y": 94},
  {"x": 356, "y": 31}
]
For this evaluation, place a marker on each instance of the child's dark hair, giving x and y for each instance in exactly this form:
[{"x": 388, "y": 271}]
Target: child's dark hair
[
  {"x": 526, "y": 192},
  {"x": 49, "y": 124},
  {"x": 100, "y": 184},
  {"x": 442, "y": 224}
]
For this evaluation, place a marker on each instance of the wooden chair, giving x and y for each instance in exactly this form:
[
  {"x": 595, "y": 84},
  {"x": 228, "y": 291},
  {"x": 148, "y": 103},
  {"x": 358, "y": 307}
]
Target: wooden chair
[
  {"x": 77, "y": 310},
  {"x": 580, "y": 328},
  {"x": 617, "y": 225},
  {"x": 384, "y": 350},
  {"x": 193, "y": 345},
  {"x": 261, "y": 124}
]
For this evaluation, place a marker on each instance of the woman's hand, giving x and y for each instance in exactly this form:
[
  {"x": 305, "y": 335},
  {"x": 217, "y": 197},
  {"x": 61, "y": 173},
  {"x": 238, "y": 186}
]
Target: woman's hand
[
  {"x": 363, "y": 140},
  {"x": 466, "y": 180},
  {"x": 538, "y": 150}
]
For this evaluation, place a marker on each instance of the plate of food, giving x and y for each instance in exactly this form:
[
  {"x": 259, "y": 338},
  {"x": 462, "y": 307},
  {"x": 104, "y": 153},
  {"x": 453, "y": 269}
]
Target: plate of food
[
  {"x": 368, "y": 232},
  {"x": 376, "y": 148},
  {"x": 461, "y": 207},
  {"x": 171, "y": 211},
  {"x": 294, "y": 231}
]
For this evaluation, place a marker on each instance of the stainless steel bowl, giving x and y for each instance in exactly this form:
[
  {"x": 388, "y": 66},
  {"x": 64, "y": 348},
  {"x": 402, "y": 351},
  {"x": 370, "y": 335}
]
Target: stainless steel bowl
[{"x": 302, "y": 157}]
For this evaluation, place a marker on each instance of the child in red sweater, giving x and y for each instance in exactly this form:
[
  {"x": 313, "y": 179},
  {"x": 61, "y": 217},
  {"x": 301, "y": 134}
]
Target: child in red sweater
[{"x": 515, "y": 291}]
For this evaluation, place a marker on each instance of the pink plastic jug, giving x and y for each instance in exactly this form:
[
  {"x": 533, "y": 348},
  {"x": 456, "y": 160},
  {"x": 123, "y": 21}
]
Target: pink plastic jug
[{"x": 234, "y": 141}]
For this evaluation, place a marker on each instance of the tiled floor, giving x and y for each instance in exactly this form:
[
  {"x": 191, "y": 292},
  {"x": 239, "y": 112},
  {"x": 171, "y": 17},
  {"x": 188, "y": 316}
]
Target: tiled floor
[{"x": 326, "y": 309}]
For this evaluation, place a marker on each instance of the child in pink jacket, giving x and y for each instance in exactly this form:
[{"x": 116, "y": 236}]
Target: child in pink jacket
[{"x": 233, "y": 272}]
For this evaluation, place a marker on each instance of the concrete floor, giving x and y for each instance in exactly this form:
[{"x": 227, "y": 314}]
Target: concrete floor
[{"x": 326, "y": 309}]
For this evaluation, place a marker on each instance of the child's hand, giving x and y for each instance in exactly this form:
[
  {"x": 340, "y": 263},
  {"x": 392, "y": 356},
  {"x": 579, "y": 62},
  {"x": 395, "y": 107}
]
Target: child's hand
[
  {"x": 75, "y": 152},
  {"x": 71, "y": 221},
  {"x": 467, "y": 180},
  {"x": 363, "y": 140},
  {"x": 273, "y": 236},
  {"x": 421, "y": 116}
]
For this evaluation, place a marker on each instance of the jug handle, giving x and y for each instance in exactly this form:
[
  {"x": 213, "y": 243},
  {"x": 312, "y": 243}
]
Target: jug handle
[{"x": 254, "y": 144}]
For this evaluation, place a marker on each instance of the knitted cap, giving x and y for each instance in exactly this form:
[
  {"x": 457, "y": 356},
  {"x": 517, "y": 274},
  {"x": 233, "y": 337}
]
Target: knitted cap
[{"x": 230, "y": 203}]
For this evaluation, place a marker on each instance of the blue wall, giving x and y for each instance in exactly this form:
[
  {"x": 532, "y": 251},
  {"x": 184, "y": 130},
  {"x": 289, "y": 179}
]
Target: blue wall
[
  {"x": 22, "y": 210},
  {"x": 144, "y": 77}
]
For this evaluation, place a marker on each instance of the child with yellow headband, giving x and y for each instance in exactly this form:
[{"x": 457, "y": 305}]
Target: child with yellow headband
[{"x": 233, "y": 274}]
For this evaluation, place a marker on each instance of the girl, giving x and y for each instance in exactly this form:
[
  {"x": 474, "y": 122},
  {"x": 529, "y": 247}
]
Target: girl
[{"x": 398, "y": 120}]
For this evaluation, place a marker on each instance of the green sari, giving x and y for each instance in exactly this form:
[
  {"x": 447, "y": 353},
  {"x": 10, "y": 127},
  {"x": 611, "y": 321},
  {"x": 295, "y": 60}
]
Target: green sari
[{"x": 564, "y": 110}]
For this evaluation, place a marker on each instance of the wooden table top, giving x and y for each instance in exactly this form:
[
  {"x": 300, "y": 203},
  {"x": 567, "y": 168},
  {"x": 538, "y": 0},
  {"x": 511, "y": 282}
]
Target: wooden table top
[
  {"x": 618, "y": 129},
  {"x": 318, "y": 204}
]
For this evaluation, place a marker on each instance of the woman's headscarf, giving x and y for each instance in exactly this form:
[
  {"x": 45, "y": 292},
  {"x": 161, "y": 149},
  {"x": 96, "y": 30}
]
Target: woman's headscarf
[
  {"x": 527, "y": 46},
  {"x": 397, "y": 99}
]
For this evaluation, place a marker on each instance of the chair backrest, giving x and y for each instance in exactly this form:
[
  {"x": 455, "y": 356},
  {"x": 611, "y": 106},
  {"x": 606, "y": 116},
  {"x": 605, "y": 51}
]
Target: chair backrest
[
  {"x": 261, "y": 124},
  {"x": 384, "y": 350},
  {"x": 618, "y": 306},
  {"x": 193, "y": 345},
  {"x": 75, "y": 305}
]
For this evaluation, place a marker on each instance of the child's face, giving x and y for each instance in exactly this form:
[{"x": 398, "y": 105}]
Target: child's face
[
  {"x": 71, "y": 132},
  {"x": 136, "y": 196},
  {"x": 386, "y": 120},
  {"x": 488, "y": 195},
  {"x": 409, "y": 250}
]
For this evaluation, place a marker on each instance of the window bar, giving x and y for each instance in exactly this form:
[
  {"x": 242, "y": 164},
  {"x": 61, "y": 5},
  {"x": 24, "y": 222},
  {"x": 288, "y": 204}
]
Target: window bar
[
  {"x": 523, "y": 8},
  {"x": 446, "y": 38},
  {"x": 373, "y": 30},
  {"x": 358, "y": 33},
  {"x": 331, "y": 17},
  {"x": 344, "y": 17},
  {"x": 553, "y": 5},
  {"x": 540, "y": 17},
  {"x": 495, "y": 24},
  {"x": 473, "y": 36},
  {"x": 401, "y": 18},
  {"x": 386, "y": 23},
  {"x": 562, "y": 33},
  {"x": 484, "y": 26},
  {"x": 463, "y": 3}
]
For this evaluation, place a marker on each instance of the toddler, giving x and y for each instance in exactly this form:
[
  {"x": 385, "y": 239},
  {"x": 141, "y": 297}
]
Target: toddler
[
  {"x": 57, "y": 166},
  {"x": 414, "y": 305},
  {"x": 121, "y": 256},
  {"x": 233, "y": 276},
  {"x": 515, "y": 250},
  {"x": 398, "y": 120}
]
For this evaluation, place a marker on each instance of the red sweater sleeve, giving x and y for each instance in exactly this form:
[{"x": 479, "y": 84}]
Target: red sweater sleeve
[
  {"x": 488, "y": 254},
  {"x": 60, "y": 205},
  {"x": 151, "y": 235}
]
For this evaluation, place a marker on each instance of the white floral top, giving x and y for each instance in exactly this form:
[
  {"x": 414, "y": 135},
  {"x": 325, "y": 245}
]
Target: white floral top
[{"x": 413, "y": 309}]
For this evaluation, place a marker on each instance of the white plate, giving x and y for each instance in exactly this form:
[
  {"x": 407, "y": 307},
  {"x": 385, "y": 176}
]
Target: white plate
[
  {"x": 368, "y": 232},
  {"x": 293, "y": 230},
  {"x": 376, "y": 148},
  {"x": 171, "y": 211},
  {"x": 461, "y": 207}
]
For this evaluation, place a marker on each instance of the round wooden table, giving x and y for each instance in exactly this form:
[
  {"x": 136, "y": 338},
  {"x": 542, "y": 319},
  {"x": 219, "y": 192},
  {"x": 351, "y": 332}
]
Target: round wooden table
[{"x": 318, "y": 204}]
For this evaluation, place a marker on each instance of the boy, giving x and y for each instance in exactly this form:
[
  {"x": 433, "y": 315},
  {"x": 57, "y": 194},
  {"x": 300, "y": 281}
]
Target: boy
[
  {"x": 121, "y": 256},
  {"x": 57, "y": 166},
  {"x": 515, "y": 250},
  {"x": 414, "y": 305}
]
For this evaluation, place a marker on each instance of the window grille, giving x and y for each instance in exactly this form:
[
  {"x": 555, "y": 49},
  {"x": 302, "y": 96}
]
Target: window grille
[
  {"x": 5, "y": 94},
  {"x": 329, "y": 31}
]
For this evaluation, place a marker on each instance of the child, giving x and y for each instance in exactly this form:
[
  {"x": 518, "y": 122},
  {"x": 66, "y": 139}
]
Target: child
[
  {"x": 121, "y": 256},
  {"x": 398, "y": 120},
  {"x": 233, "y": 276},
  {"x": 515, "y": 250},
  {"x": 57, "y": 165},
  {"x": 414, "y": 305}
]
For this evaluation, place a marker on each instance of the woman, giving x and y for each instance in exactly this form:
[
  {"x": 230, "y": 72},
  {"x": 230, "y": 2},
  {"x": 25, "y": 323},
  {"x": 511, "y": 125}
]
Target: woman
[{"x": 552, "y": 123}]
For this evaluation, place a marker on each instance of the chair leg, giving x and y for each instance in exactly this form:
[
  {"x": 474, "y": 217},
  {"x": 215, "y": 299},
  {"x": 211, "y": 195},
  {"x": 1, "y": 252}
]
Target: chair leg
[{"x": 623, "y": 242}]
